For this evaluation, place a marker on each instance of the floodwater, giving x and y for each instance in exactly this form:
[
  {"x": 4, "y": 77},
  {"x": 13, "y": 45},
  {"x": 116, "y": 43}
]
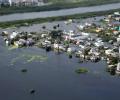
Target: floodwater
[
  {"x": 54, "y": 78},
  {"x": 50, "y": 25},
  {"x": 63, "y": 12}
]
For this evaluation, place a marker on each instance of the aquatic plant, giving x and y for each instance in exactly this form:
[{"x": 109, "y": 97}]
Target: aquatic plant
[
  {"x": 12, "y": 47},
  {"x": 29, "y": 58},
  {"x": 81, "y": 70},
  {"x": 14, "y": 60}
]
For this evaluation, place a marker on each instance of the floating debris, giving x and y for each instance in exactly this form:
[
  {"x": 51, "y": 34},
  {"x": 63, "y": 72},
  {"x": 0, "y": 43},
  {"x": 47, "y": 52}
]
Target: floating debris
[
  {"x": 24, "y": 70},
  {"x": 32, "y": 91},
  {"x": 70, "y": 56}
]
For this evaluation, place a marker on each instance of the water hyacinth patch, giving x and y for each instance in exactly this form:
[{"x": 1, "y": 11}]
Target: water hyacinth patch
[
  {"x": 29, "y": 58},
  {"x": 81, "y": 70},
  {"x": 32, "y": 58}
]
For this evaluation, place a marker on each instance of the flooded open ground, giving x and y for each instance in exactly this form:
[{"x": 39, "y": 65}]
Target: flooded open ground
[{"x": 53, "y": 78}]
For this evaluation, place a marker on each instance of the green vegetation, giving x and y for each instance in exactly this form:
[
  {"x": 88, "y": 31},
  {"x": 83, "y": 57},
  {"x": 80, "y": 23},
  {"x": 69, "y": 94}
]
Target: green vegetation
[
  {"x": 83, "y": 1},
  {"x": 31, "y": 58},
  {"x": 56, "y": 5},
  {"x": 81, "y": 70},
  {"x": 28, "y": 58},
  {"x": 80, "y": 3},
  {"x": 19, "y": 23},
  {"x": 12, "y": 47}
]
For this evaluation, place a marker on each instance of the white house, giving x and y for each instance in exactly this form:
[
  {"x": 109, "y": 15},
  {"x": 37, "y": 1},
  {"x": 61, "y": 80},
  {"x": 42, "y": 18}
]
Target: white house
[
  {"x": 13, "y": 35},
  {"x": 118, "y": 69},
  {"x": 108, "y": 52}
]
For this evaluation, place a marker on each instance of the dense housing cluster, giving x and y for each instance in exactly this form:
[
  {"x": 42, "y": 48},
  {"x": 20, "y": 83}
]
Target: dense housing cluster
[{"x": 94, "y": 41}]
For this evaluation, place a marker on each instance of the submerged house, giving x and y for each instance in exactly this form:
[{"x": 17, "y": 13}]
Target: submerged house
[
  {"x": 117, "y": 16},
  {"x": 13, "y": 35}
]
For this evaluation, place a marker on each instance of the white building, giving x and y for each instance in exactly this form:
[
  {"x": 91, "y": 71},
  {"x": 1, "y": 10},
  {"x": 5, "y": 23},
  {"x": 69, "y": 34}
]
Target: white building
[
  {"x": 5, "y": 2},
  {"x": 118, "y": 69},
  {"x": 23, "y": 2}
]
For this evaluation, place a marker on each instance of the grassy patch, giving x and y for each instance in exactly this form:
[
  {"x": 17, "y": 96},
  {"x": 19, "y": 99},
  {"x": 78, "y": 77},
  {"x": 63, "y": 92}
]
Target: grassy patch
[
  {"x": 81, "y": 70},
  {"x": 28, "y": 58}
]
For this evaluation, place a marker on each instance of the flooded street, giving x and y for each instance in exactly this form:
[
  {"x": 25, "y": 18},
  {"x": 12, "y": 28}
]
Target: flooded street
[{"x": 50, "y": 25}]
